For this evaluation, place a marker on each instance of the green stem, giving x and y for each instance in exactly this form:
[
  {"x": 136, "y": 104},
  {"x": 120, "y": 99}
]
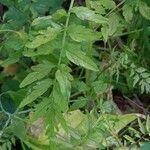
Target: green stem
[
  {"x": 88, "y": 72},
  {"x": 65, "y": 32},
  {"x": 8, "y": 30},
  {"x": 122, "y": 2},
  {"x": 131, "y": 32},
  {"x": 26, "y": 111}
]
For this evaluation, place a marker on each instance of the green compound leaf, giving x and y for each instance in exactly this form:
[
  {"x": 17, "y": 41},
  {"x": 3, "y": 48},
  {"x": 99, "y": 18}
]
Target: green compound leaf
[
  {"x": 144, "y": 10},
  {"x": 127, "y": 12},
  {"x": 41, "y": 71},
  {"x": 44, "y": 37},
  {"x": 80, "y": 33},
  {"x": 63, "y": 77},
  {"x": 108, "y": 4},
  {"x": 86, "y": 14},
  {"x": 13, "y": 58},
  {"x": 39, "y": 90},
  {"x": 78, "y": 57},
  {"x": 44, "y": 49},
  {"x": 59, "y": 99}
]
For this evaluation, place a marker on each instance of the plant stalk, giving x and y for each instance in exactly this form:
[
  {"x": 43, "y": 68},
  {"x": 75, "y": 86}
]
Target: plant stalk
[{"x": 65, "y": 32}]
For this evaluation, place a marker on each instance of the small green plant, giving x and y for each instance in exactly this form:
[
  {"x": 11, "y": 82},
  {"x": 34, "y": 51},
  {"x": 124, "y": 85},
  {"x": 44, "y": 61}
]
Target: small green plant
[{"x": 60, "y": 67}]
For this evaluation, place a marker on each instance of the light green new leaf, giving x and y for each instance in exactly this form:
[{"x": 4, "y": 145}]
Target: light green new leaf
[
  {"x": 99, "y": 87},
  {"x": 142, "y": 127},
  {"x": 113, "y": 23},
  {"x": 40, "y": 109},
  {"x": 63, "y": 77},
  {"x": 79, "y": 103},
  {"x": 44, "y": 49},
  {"x": 140, "y": 70},
  {"x": 111, "y": 28},
  {"x": 39, "y": 90},
  {"x": 32, "y": 77},
  {"x": 117, "y": 122},
  {"x": 136, "y": 80},
  {"x": 130, "y": 139},
  {"x": 124, "y": 120},
  {"x": 86, "y": 14},
  {"x": 148, "y": 124},
  {"x": 45, "y": 66},
  {"x": 44, "y": 37},
  {"x": 15, "y": 42},
  {"x": 105, "y": 32},
  {"x": 83, "y": 12},
  {"x": 78, "y": 57},
  {"x": 19, "y": 130},
  {"x": 43, "y": 22},
  {"x": 127, "y": 12},
  {"x": 59, "y": 99},
  {"x": 74, "y": 118},
  {"x": 40, "y": 20},
  {"x": 97, "y": 6},
  {"x": 59, "y": 14},
  {"x": 144, "y": 10},
  {"x": 41, "y": 71},
  {"x": 80, "y": 33},
  {"x": 108, "y": 4}
]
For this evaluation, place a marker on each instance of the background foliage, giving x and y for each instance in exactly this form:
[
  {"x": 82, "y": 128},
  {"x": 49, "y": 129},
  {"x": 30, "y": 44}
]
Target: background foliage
[{"x": 62, "y": 63}]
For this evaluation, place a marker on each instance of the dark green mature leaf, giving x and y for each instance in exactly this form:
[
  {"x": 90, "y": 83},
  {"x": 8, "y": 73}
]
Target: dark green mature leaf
[
  {"x": 39, "y": 90},
  {"x": 144, "y": 10},
  {"x": 8, "y": 103},
  {"x": 42, "y": 6},
  {"x": 145, "y": 146},
  {"x": 13, "y": 58},
  {"x": 15, "y": 18},
  {"x": 81, "y": 33},
  {"x": 7, "y": 2},
  {"x": 10, "y": 85},
  {"x": 86, "y": 14},
  {"x": 78, "y": 57}
]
